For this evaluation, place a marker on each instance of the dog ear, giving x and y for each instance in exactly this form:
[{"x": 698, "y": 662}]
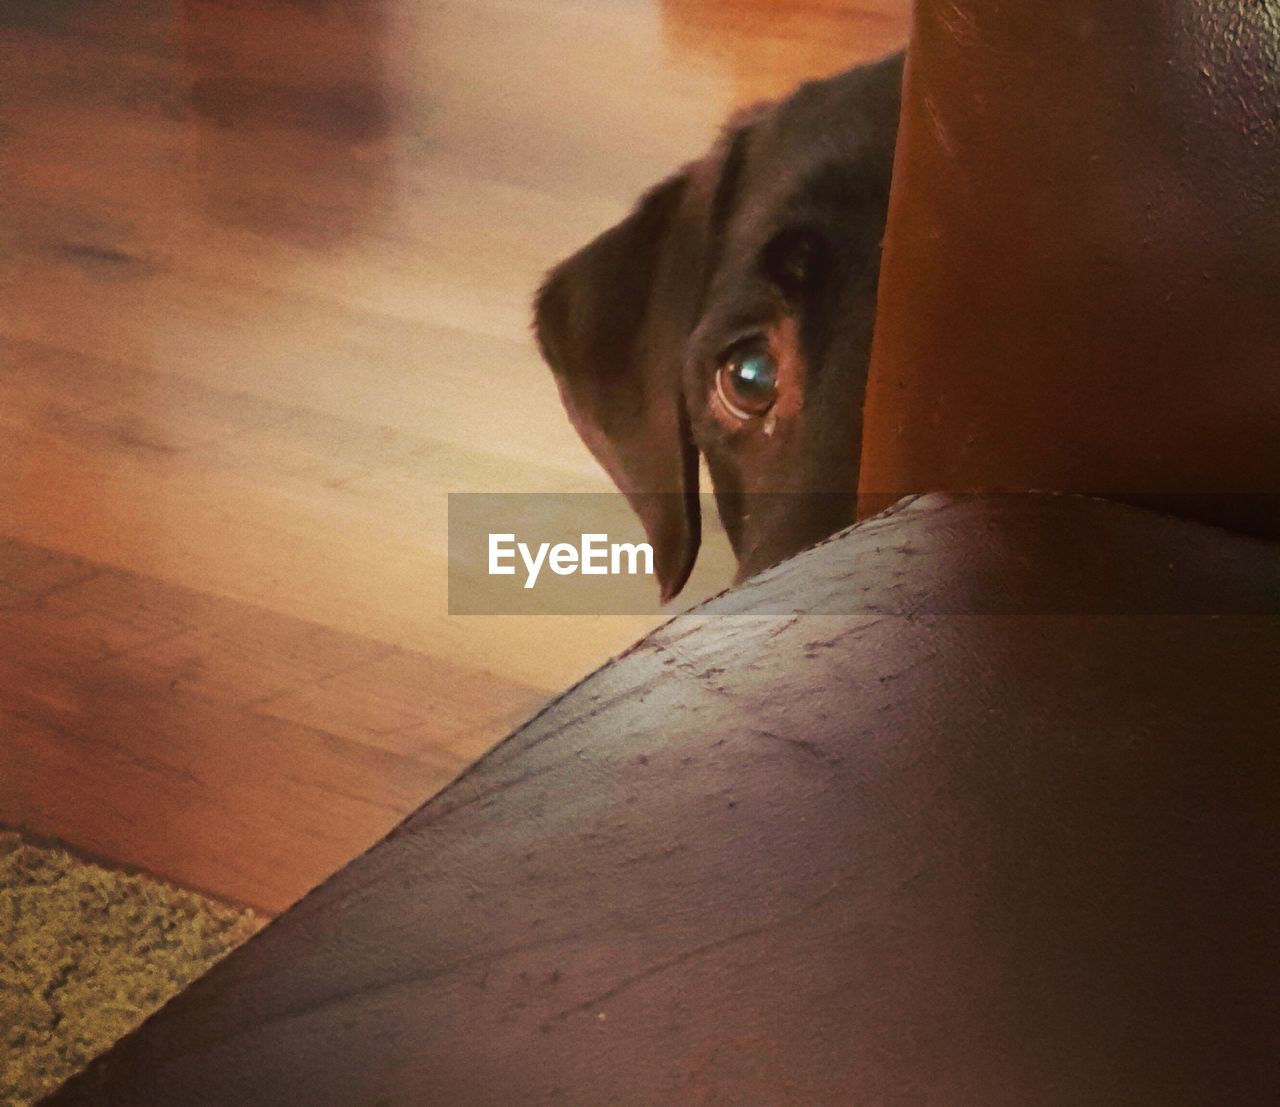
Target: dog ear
[{"x": 611, "y": 321}]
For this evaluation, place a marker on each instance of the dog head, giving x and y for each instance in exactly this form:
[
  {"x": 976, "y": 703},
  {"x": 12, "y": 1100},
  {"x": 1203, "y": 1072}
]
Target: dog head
[{"x": 730, "y": 315}]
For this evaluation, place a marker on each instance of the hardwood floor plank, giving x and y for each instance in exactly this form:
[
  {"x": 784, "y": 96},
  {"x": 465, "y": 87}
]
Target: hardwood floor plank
[{"x": 270, "y": 737}]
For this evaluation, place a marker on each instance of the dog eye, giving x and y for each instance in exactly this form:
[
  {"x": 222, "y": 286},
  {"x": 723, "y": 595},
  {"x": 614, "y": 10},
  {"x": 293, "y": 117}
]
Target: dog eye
[{"x": 747, "y": 383}]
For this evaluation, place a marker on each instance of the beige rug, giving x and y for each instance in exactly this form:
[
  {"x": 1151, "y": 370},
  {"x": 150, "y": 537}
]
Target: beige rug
[{"x": 86, "y": 954}]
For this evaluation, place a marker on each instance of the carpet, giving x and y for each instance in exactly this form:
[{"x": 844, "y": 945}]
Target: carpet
[{"x": 86, "y": 954}]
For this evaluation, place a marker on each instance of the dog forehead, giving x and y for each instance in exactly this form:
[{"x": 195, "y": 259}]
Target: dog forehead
[
  {"x": 808, "y": 151},
  {"x": 788, "y": 182}
]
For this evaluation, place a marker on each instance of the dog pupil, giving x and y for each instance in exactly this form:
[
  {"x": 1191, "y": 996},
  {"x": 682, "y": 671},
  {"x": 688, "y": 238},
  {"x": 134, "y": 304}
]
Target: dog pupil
[{"x": 756, "y": 376}]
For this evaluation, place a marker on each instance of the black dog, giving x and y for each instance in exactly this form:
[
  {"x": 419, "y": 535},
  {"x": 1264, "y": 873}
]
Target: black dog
[{"x": 731, "y": 314}]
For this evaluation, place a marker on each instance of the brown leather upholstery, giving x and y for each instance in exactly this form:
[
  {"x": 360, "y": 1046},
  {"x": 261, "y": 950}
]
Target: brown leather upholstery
[
  {"x": 960, "y": 834},
  {"x": 1082, "y": 266}
]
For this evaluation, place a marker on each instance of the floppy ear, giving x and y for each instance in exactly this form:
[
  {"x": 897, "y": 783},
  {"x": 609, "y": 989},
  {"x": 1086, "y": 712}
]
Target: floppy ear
[{"x": 611, "y": 322}]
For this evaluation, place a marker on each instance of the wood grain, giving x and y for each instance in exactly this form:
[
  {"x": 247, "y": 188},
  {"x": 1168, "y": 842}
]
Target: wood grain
[{"x": 264, "y": 284}]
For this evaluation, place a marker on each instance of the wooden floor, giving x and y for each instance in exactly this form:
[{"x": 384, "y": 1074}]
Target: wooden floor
[{"x": 264, "y": 280}]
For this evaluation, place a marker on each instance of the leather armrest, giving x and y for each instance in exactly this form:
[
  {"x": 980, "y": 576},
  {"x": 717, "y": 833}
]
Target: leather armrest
[{"x": 974, "y": 803}]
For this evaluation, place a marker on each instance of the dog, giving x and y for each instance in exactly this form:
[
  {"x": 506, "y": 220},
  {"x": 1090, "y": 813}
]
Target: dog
[{"x": 730, "y": 315}]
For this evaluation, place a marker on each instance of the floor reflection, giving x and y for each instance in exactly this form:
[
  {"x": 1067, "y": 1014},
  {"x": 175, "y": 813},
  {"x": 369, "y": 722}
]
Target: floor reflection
[
  {"x": 288, "y": 114},
  {"x": 766, "y": 46}
]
